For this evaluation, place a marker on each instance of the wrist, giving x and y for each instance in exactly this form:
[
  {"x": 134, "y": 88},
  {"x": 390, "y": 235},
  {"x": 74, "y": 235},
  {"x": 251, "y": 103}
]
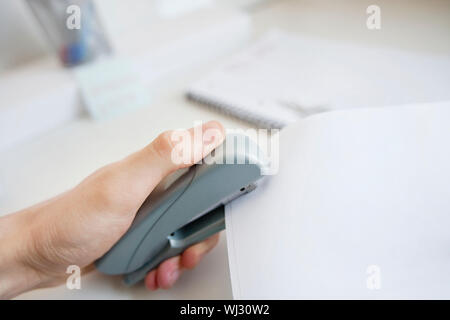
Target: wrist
[{"x": 16, "y": 275}]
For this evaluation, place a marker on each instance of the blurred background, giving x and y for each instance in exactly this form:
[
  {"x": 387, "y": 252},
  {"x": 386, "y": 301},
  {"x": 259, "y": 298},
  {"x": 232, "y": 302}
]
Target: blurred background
[
  {"x": 72, "y": 100},
  {"x": 23, "y": 40}
]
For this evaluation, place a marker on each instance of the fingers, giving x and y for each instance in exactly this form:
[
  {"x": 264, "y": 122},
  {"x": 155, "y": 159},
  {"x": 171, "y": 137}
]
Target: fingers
[
  {"x": 193, "y": 255},
  {"x": 165, "y": 275},
  {"x": 150, "y": 280},
  {"x": 173, "y": 150},
  {"x": 169, "y": 271}
]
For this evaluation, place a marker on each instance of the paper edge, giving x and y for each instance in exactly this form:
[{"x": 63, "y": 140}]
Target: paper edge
[{"x": 234, "y": 274}]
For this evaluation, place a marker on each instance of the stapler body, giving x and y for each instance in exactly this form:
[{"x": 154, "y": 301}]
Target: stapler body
[{"x": 186, "y": 210}]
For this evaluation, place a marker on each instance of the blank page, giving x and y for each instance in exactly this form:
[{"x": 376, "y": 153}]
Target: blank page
[{"x": 360, "y": 208}]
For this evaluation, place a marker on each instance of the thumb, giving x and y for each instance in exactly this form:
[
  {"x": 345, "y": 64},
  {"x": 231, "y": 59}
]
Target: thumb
[{"x": 170, "y": 151}]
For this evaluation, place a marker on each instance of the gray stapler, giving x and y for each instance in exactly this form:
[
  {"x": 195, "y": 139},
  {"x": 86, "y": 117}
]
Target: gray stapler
[{"x": 185, "y": 208}]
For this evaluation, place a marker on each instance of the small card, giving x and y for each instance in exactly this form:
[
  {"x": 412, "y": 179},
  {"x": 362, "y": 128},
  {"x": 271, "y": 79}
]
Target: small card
[{"x": 111, "y": 87}]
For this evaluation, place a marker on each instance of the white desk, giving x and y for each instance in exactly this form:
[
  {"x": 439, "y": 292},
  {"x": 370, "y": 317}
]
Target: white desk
[{"x": 57, "y": 160}]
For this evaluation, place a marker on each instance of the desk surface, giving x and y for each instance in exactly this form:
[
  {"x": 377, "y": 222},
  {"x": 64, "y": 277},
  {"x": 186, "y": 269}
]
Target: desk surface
[{"x": 38, "y": 169}]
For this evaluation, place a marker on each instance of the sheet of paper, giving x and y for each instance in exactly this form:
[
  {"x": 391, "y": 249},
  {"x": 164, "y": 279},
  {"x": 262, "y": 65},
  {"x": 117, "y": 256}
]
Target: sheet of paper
[{"x": 360, "y": 208}]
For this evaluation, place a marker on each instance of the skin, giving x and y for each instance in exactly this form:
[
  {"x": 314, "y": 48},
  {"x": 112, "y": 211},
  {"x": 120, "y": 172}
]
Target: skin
[{"x": 37, "y": 244}]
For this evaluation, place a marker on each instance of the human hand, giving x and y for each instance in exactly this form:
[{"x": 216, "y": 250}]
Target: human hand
[{"x": 77, "y": 227}]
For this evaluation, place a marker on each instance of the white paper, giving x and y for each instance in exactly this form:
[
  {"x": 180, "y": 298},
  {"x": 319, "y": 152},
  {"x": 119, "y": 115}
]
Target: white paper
[{"x": 360, "y": 208}]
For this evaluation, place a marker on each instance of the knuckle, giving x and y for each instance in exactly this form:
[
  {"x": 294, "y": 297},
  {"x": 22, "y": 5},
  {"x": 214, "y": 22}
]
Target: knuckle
[{"x": 164, "y": 144}]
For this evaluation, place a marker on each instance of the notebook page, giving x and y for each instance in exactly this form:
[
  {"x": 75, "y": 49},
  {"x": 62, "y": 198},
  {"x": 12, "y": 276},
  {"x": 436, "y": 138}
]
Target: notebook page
[
  {"x": 282, "y": 76},
  {"x": 360, "y": 208}
]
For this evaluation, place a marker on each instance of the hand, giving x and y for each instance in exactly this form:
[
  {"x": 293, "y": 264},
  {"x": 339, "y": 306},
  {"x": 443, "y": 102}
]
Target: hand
[{"x": 77, "y": 227}]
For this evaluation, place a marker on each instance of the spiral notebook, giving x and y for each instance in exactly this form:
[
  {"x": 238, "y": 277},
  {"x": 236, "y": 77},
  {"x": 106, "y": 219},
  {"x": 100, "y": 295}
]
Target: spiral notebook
[{"x": 283, "y": 77}]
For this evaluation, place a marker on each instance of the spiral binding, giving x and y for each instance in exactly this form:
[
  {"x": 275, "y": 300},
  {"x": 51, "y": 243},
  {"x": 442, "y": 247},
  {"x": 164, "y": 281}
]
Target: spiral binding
[{"x": 235, "y": 110}]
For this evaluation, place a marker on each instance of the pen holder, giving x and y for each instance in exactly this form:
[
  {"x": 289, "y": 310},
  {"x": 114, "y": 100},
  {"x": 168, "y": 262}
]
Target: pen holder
[{"x": 73, "y": 28}]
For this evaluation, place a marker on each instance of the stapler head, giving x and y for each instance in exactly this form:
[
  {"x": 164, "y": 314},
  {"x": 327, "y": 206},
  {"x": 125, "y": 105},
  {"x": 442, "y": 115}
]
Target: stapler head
[{"x": 185, "y": 208}]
